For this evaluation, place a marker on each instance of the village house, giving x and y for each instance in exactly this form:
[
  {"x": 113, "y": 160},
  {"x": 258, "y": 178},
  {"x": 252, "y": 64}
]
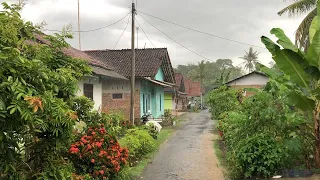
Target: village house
[
  {"x": 154, "y": 72},
  {"x": 176, "y": 98},
  {"x": 254, "y": 79},
  {"x": 90, "y": 86},
  {"x": 194, "y": 91}
]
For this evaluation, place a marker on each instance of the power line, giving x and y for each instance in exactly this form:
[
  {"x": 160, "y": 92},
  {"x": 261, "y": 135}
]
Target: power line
[
  {"x": 176, "y": 40},
  {"x": 122, "y": 33},
  {"x": 145, "y": 33},
  {"x": 90, "y": 30},
  {"x": 198, "y": 31}
]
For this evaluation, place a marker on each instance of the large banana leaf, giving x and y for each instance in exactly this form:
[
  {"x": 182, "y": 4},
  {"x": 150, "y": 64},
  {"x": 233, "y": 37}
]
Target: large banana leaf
[
  {"x": 284, "y": 41},
  {"x": 278, "y": 77},
  {"x": 289, "y": 62},
  {"x": 313, "y": 28},
  {"x": 313, "y": 53},
  {"x": 302, "y": 102}
]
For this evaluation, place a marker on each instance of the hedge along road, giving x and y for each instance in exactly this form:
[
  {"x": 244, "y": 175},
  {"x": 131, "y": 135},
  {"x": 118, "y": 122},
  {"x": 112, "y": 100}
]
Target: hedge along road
[{"x": 188, "y": 154}]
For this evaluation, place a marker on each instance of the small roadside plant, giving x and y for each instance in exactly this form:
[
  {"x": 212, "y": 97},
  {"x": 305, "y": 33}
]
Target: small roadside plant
[
  {"x": 153, "y": 128},
  {"x": 139, "y": 142},
  {"x": 167, "y": 118},
  {"x": 258, "y": 156},
  {"x": 98, "y": 154}
]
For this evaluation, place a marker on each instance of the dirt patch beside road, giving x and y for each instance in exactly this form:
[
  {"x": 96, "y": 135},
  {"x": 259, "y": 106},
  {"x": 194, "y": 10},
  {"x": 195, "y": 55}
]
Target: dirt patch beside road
[{"x": 189, "y": 154}]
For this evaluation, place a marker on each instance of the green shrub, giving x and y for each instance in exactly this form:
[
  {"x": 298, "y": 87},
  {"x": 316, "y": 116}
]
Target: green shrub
[
  {"x": 222, "y": 100},
  {"x": 139, "y": 142},
  {"x": 259, "y": 156},
  {"x": 263, "y": 135},
  {"x": 117, "y": 123},
  {"x": 167, "y": 118},
  {"x": 57, "y": 171},
  {"x": 98, "y": 153}
]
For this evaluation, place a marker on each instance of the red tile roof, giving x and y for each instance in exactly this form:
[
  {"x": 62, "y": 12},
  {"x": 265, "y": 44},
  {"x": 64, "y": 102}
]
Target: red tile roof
[
  {"x": 148, "y": 61},
  {"x": 192, "y": 88}
]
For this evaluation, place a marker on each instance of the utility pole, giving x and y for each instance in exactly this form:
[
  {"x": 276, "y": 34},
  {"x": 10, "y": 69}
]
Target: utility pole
[
  {"x": 136, "y": 8},
  {"x": 79, "y": 24},
  {"x": 133, "y": 65}
]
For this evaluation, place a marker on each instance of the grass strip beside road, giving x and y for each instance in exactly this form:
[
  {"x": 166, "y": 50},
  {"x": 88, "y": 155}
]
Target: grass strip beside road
[{"x": 130, "y": 173}]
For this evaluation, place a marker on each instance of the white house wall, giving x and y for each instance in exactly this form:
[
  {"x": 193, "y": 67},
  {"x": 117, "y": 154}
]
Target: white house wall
[
  {"x": 253, "y": 79},
  {"x": 118, "y": 86},
  {"x": 97, "y": 91}
]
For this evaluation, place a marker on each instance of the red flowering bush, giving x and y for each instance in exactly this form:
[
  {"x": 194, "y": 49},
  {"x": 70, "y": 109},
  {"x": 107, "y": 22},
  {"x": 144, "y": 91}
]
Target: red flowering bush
[{"x": 98, "y": 153}]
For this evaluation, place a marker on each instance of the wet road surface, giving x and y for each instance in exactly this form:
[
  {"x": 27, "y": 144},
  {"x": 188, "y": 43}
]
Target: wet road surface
[{"x": 188, "y": 154}]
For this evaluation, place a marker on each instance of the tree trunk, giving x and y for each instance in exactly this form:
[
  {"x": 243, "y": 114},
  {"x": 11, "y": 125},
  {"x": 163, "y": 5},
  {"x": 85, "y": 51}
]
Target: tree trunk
[{"x": 317, "y": 134}]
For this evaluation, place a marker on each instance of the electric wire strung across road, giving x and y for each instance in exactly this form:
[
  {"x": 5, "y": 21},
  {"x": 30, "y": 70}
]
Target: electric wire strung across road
[
  {"x": 122, "y": 33},
  {"x": 145, "y": 33},
  {"x": 175, "y": 40},
  {"x": 198, "y": 31},
  {"x": 90, "y": 30}
]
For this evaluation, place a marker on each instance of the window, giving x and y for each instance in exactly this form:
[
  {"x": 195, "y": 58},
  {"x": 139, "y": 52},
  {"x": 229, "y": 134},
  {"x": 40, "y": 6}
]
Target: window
[
  {"x": 146, "y": 102},
  {"x": 143, "y": 103},
  {"x": 160, "y": 102},
  {"x": 117, "y": 96},
  {"x": 88, "y": 90}
]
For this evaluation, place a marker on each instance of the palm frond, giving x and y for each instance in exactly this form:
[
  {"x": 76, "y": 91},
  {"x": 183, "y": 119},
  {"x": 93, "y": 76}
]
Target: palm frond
[
  {"x": 299, "y": 7},
  {"x": 302, "y": 33}
]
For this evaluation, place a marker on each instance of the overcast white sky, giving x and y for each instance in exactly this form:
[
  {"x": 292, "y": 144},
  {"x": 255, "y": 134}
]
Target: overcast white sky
[{"x": 240, "y": 20}]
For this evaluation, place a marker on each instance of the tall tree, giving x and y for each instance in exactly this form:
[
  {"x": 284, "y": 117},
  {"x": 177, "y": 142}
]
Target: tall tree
[
  {"x": 211, "y": 72},
  {"x": 302, "y": 7},
  {"x": 250, "y": 59}
]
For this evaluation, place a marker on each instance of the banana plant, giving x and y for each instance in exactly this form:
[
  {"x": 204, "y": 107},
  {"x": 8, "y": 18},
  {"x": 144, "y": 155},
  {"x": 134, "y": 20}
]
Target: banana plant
[{"x": 301, "y": 73}]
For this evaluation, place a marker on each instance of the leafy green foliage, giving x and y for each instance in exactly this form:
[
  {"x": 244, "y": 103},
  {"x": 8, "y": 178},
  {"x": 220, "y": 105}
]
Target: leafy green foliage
[
  {"x": 222, "y": 100},
  {"x": 296, "y": 8},
  {"x": 98, "y": 153},
  {"x": 114, "y": 122},
  {"x": 212, "y": 74},
  {"x": 37, "y": 83},
  {"x": 301, "y": 73},
  {"x": 263, "y": 134},
  {"x": 139, "y": 142},
  {"x": 259, "y": 155}
]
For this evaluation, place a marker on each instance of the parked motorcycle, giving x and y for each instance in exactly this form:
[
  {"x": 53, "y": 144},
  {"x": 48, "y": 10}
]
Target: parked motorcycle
[{"x": 145, "y": 117}]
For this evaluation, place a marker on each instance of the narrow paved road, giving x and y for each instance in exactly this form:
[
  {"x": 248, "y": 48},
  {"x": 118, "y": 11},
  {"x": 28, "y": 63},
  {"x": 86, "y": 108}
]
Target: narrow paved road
[{"x": 189, "y": 154}]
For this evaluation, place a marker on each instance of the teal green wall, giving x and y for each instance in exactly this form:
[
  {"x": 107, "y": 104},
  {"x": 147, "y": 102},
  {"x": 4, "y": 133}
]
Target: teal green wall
[
  {"x": 157, "y": 98},
  {"x": 159, "y": 76},
  {"x": 157, "y": 95}
]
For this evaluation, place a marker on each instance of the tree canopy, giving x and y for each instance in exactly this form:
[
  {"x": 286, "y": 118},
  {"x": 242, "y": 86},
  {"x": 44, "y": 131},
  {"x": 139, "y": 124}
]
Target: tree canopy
[
  {"x": 37, "y": 86},
  {"x": 211, "y": 74},
  {"x": 299, "y": 7}
]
